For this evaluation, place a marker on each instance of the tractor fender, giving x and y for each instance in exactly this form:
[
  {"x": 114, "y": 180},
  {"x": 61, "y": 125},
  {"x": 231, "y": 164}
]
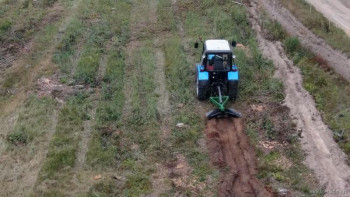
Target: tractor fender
[
  {"x": 233, "y": 76},
  {"x": 202, "y": 75}
]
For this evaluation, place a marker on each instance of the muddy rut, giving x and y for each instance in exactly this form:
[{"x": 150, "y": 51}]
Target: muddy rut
[
  {"x": 324, "y": 156},
  {"x": 230, "y": 150},
  {"x": 337, "y": 60}
]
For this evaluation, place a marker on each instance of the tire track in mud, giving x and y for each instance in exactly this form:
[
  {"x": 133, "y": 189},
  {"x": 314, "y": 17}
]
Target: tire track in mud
[
  {"x": 230, "y": 150},
  {"x": 337, "y": 60},
  {"x": 324, "y": 156}
]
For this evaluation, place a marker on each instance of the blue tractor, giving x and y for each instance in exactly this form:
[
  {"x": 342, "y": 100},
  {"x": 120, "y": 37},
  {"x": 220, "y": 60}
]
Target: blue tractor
[{"x": 217, "y": 77}]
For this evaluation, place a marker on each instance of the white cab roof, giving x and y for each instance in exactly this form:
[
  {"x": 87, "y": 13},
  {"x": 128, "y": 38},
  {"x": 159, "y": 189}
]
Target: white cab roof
[{"x": 217, "y": 45}]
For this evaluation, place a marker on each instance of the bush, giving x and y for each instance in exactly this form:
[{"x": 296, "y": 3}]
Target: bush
[
  {"x": 88, "y": 66},
  {"x": 18, "y": 137},
  {"x": 275, "y": 30},
  {"x": 292, "y": 44},
  {"x": 66, "y": 48},
  {"x": 5, "y": 25},
  {"x": 347, "y": 148}
]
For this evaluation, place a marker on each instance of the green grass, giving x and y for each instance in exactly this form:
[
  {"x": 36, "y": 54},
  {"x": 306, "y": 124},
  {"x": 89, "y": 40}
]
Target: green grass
[
  {"x": 33, "y": 122},
  {"x": 319, "y": 25},
  {"x": 176, "y": 65},
  {"x": 104, "y": 146},
  {"x": 132, "y": 148},
  {"x": 185, "y": 140},
  {"x": 5, "y": 24},
  {"x": 296, "y": 177},
  {"x": 113, "y": 150},
  {"x": 67, "y": 47},
  {"x": 110, "y": 146},
  {"x": 111, "y": 23},
  {"x": 276, "y": 31},
  {"x": 88, "y": 66},
  {"x": 166, "y": 22},
  {"x": 20, "y": 19},
  {"x": 63, "y": 147},
  {"x": 144, "y": 100},
  {"x": 42, "y": 41},
  {"x": 93, "y": 25}
]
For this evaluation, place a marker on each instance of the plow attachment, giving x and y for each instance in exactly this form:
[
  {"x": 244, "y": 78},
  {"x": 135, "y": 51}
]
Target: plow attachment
[{"x": 220, "y": 102}]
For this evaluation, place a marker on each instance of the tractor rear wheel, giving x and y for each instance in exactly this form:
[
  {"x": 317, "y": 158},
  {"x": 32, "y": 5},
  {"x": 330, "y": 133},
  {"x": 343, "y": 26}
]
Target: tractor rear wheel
[
  {"x": 233, "y": 90},
  {"x": 202, "y": 89}
]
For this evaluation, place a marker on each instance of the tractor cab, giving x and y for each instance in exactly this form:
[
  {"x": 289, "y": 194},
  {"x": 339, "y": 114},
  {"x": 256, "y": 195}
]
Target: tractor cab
[
  {"x": 217, "y": 76},
  {"x": 217, "y": 56}
]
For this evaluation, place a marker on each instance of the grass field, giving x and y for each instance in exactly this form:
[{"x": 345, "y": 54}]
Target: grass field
[{"x": 107, "y": 134}]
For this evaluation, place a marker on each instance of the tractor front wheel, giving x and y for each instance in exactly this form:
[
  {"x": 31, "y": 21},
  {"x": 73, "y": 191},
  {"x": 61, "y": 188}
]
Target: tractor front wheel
[{"x": 233, "y": 90}]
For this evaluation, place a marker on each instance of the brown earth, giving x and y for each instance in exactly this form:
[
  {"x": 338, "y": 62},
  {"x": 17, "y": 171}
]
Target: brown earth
[{"x": 230, "y": 150}]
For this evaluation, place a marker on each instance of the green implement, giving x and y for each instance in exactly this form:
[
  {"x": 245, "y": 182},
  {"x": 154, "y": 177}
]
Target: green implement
[{"x": 220, "y": 102}]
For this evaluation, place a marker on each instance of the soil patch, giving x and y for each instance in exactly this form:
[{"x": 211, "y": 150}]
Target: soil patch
[
  {"x": 51, "y": 87},
  {"x": 231, "y": 151}
]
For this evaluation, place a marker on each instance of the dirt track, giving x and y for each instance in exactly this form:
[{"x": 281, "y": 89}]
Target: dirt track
[
  {"x": 323, "y": 154},
  {"x": 337, "y": 60},
  {"x": 229, "y": 146},
  {"x": 335, "y": 10}
]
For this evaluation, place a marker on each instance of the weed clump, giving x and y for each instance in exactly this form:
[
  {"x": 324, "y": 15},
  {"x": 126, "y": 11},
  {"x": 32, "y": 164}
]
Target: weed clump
[
  {"x": 64, "y": 145},
  {"x": 88, "y": 66},
  {"x": 19, "y": 137},
  {"x": 67, "y": 47},
  {"x": 275, "y": 31},
  {"x": 292, "y": 44},
  {"x": 32, "y": 121},
  {"x": 5, "y": 24}
]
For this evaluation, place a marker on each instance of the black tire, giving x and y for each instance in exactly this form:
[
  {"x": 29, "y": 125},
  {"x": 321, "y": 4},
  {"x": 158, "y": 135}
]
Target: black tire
[
  {"x": 233, "y": 90},
  {"x": 202, "y": 89}
]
